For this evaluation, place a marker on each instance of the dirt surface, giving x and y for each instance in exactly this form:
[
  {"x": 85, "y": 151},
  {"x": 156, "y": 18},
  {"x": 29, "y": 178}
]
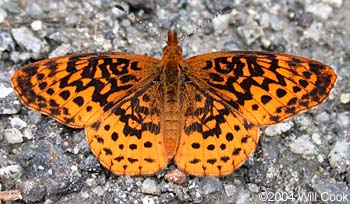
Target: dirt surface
[{"x": 303, "y": 160}]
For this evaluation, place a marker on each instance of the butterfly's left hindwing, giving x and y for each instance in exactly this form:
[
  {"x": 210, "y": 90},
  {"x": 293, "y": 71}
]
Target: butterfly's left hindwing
[{"x": 215, "y": 140}]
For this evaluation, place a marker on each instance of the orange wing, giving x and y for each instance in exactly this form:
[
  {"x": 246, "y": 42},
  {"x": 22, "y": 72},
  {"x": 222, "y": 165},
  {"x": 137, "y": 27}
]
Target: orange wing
[
  {"x": 215, "y": 139},
  {"x": 231, "y": 94},
  {"x": 127, "y": 139},
  {"x": 264, "y": 87},
  {"x": 75, "y": 89}
]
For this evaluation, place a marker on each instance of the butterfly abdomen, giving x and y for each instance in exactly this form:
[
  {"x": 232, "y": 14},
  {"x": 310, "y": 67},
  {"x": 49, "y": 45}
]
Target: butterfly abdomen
[{"x": 171, "y": 110}]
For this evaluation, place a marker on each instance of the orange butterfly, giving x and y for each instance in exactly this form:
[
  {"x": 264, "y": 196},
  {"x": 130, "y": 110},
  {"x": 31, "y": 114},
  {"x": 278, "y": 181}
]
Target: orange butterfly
[{"x": 203, "y": 112}]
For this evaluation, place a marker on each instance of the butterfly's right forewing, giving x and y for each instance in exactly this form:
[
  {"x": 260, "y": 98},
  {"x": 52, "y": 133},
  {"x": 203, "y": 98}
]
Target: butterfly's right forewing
[{"x": 76, "y": 89}]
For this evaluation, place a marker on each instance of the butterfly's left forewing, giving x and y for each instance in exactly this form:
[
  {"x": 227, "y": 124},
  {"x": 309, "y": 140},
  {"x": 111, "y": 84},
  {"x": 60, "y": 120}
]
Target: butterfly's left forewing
[{"x": 264, "y": 87}]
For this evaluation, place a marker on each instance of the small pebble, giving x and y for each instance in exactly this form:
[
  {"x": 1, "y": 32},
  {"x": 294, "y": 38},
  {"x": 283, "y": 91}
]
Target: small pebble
[
  {"x": 250, "y": 32},
  {"x": 33, "y": 190},
  {"x": 322, "y": 117},
  {"x": 11, "y": 172},
  {"x": 36, "y": 25},
  {"x": 34, "y": 9},
  {"x": 90, "y": 182},
  {"x": 99, "y": 191},
  {"x": 276, "y": 23},
  {"x": 264, "y": 20},
  {"x": 25, "y": 38},
  {"x": 148, "y": 200},
  {"x": 314, "y": 31},
  {"x": 6, "y": 42},
  {"x": 149, "y": 186},
  {"x": 61, "y": 50},
  {"x": 4, "y": 91},
  {"x": 13, "y": 136},
  {"x": 303, "y": 145},
  {"x": 316, "y": 138},
  {"x": 3, "y": 15},
  {"x": 85, "y": 194},
  {"x": 345, "y": 98},
  {"x": 320, "y": 10},
  {"x": 343, "y": 120},
  {"x": 334, "y": 3},
  {"x": 74, "y": 168},
  {"x": 221, "y": 22},
  {"x": 27, "y": 133},
  {"x": 278, "y": 129},
  {"x": 210, "y": 185},
  {"x": 16, "y": 122},
  {"x": 253, "y": 187},
  {"x": 243, "y": 197},
  {"x": 230, "y": 190},
  {"x": 339, "y": 156}
]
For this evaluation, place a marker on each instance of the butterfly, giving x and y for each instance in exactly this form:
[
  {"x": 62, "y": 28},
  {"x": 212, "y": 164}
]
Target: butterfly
[{"x": 204, "y": 112}]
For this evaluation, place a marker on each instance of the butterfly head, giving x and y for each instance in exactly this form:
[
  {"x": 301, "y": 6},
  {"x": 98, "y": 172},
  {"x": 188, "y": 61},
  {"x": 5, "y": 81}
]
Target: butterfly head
[{"x": 172, "y": 51}]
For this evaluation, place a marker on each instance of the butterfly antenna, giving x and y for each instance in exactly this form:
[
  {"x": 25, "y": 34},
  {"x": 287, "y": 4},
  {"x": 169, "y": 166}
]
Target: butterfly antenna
[
  {"x": 133, "y": 17},
  {"x": 206, "y": 22}
]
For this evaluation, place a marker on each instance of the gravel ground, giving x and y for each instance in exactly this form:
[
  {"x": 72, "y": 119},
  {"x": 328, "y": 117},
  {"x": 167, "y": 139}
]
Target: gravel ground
[{"x": 49, "y": 163}]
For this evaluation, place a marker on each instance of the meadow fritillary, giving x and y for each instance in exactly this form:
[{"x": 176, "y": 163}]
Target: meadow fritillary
[{"x": 203, "y": 112}]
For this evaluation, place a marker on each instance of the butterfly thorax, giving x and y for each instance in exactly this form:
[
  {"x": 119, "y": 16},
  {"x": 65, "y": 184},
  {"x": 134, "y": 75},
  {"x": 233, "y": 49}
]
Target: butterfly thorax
[{"x": 171, "y": 79}]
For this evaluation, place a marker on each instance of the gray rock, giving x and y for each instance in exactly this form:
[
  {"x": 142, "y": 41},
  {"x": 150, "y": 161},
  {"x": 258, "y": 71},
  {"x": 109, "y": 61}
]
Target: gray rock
[
  {"x": 148, "y": 200},
  {"x": 278, "y": 129},
  {"x": 243, "y": 197},
  {"x": 50, "y": 163},
  {"x": 6, "y": 42},
  {"x": 323, "y": 117},
  {"x": 36, "y": 25},
  {"x": 276, "y": 23},
  {"x": 334, "y": 3},
  {"x": 90, "y": 164},
  {"x": 25, "y": 38},
  {"x": 230, "y": 190},
  {"x": 3, "y": 15},
  {"x": 34, "y": 190},
  {"x": 210, "y": 185},
  {"x": 149, "y": 186},
  {"x": 13, "y": 135},
  {"x": 330, "y": 190},
  {"x": 61, "y": 50},
  {"x": 99, "y": 191},
  {"x": 16, "y": 122},
  {"x": 11, "y": 7},
  {"x": 343, "y": 120},
  {"x": 221, "y": 22},
  {"x": 4, "y": 91},
  {"x": 339, "y": 156},
  {"x": 314, "y": 31},
  {"x": 302, "y": 145},
  {"x": 321, "y": 10},
  {"x": 34, "y": 9},
  {"x": 250, "y": 32},
  {"x": 11, "y": 172},
  {"x": 345, "y": 98}
]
